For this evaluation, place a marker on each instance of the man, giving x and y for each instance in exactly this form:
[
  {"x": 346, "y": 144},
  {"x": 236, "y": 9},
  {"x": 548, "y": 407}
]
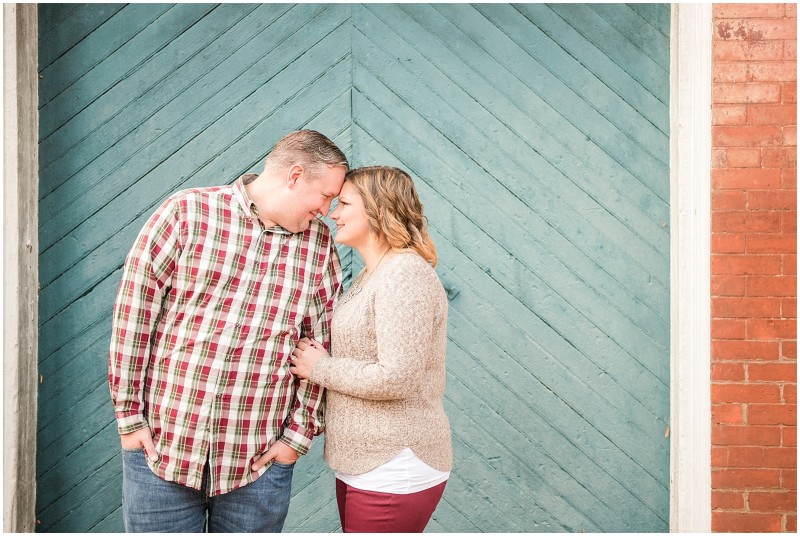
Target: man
[{"x": 218, "y": 288}]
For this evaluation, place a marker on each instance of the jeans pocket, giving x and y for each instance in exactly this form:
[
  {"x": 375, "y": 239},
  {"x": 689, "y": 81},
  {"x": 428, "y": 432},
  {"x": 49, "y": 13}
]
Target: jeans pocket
[
  {"x": 137, "y": 449},
  {"x": 284, "y": 465}
]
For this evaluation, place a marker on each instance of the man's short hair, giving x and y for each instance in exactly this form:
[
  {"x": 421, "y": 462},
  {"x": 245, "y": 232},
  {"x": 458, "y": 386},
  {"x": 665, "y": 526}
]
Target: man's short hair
[{"x": 308, "y": 148}]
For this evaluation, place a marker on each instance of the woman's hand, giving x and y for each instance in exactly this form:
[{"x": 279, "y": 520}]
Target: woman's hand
[{"x": 305, "y": 356}]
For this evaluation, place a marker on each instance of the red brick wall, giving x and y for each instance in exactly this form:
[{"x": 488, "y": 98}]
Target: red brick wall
[{"x": 754, "y": 269}]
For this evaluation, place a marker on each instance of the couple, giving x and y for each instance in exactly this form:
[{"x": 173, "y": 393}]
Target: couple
[{"x": 231, "y": 348}]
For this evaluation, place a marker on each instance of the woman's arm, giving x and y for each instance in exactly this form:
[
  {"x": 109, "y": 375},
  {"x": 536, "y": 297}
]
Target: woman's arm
[{"x": 405, "y": 312}]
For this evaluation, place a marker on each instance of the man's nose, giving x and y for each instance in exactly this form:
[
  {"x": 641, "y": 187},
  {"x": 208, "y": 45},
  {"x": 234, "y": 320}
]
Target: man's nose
[{"x": 326, "y": 207}]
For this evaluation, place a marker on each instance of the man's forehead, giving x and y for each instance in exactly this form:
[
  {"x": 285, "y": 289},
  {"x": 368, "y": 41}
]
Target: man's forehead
[{"x": 332, "y": 180}]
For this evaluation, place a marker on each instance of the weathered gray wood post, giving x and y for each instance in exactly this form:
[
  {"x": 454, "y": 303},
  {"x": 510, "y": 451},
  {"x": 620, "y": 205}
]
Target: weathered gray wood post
[{"x": 21, "y": 264}]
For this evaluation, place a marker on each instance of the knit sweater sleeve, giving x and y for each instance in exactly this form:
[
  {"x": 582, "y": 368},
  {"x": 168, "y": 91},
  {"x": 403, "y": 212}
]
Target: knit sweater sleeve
[{"x": 405, "y": 310}]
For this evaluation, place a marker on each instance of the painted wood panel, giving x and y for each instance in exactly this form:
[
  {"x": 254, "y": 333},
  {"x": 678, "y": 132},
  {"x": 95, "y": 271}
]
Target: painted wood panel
[{"x": 539, "y": 138}]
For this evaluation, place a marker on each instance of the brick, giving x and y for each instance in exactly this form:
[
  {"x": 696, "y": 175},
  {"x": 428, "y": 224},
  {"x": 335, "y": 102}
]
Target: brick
[
  {"x": 790, "y": 264},
  {"x": 789, "y": 438},
  {"x": 739, "y": 350},
  {"x": 745, "y": 478},
  {"x": 733, "y": 157},
  {"x": 742, "y": 222},
  {"x": 771, "y": 243},
  {"x": 731, "y": 72},
  {"x": 747, "y": 50},
  {"x": 789, "y": 349},
  {"x": 726, "y": 414},
  {"x": 728, "y": 328},
  {"x": 745, "y": 307},
  {"x": 737, "y": 11},
  {"x": 746, "y": 136},
  {"x": 728, "y": 200},
  {"x": 746, "y": 93},
  {"x": 727, "y": 243},
  {"x": 789, "y": 476},
  {"x": 775, "y": 372},
  {"x": 772, "y": 71},
  {"x": 789, "y": 92},
  {"x": 789, "y": 178},
  {"x": 791, "y": 10},
  {"x": 760, "y": 179},
  {"x": 748, "y": 264},
  {"x": 739, "y": 307},
  {"x": 789, "y": 222},
  {"x": 791, "y": 519},
  {"x": 762, "y": 457},
  {"x": 729, "y": 115},
  {"x": 770, "y": 328},
  {"x": 772, "y": 114},
  {"x": 719, "y": 158},
  {"x": 772, "y": 501},
  {"x": 789, "y": 394},
  {"x": 722, "y": 521},
  {"x": 753, "y": 29},
  {"x": 745, "y": 393},
  {"x": 782, "y": 199},
  {"x": 779, "y": 157},
  {"x": 727, "y": 500},
  {"x": 771, "y": 285},
  {"x": 772, "y": 414},
  {"x": 728, "y": 285},
  {"x": 790, "y": 50},
  {"x": 789, "y": 308},
  {"x": 719, "y": 456},
  {"x": 727, "y": 372},
  {"x": 790, "y": 136},
  {"x": 768, "y": 436}
]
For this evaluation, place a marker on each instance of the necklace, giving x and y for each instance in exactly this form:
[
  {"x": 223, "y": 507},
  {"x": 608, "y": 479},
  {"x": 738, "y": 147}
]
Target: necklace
[{"x": 360, "y": 281}]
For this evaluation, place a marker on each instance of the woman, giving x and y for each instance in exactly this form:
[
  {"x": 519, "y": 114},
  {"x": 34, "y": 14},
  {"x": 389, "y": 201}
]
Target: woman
[{"x": 387, "y": 436}]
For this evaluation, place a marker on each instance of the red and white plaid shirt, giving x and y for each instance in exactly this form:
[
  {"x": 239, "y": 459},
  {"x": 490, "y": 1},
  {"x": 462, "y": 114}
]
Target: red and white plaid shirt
[{"x": 210, "y": 306}]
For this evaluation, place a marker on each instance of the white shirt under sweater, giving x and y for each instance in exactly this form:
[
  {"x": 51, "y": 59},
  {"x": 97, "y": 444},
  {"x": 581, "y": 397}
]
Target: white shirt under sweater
[{"x": 403, "y": 474}]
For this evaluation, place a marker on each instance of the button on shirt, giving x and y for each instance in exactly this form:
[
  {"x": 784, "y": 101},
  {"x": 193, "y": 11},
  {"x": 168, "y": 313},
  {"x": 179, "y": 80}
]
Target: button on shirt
[{"x": 210, "y": 306}]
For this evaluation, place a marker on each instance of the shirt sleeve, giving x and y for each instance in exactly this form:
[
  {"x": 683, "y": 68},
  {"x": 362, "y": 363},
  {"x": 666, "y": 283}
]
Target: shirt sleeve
[
  {"x": 146, "y": 278},
  {"x": 405, "y": 315},
  {"x": 307, "y": 419}
]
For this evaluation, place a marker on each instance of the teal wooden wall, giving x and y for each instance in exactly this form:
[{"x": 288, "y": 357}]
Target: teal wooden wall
[{"x": 539, "y": 139}]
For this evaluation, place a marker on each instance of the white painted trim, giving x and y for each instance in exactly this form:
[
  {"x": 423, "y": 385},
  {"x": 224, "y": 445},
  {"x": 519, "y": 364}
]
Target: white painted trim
[{"x": 690, "y": 268}]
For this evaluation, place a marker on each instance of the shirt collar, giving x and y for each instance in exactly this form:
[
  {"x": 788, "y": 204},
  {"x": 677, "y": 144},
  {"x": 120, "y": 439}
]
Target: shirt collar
[{"x": 249, "y": 207}]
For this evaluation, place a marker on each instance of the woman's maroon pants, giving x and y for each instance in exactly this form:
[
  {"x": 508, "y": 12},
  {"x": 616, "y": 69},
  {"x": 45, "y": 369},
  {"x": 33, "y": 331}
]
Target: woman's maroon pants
[{"x": 371, "y": 511}]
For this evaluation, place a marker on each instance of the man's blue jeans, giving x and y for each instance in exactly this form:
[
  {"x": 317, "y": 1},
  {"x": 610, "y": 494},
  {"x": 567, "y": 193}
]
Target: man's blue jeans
[{"x": 152, "y": 504}]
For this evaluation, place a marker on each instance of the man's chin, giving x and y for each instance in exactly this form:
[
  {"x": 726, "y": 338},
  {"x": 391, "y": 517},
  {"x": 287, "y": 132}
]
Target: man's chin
[{"x": 302, "y": 226}]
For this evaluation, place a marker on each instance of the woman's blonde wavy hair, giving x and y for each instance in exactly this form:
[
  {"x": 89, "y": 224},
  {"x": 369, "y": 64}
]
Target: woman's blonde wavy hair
[{"x": 393, "y": 209}]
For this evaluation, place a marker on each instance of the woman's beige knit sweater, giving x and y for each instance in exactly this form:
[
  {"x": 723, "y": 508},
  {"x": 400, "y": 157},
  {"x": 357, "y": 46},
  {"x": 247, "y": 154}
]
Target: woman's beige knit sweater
[{"x": 385, "y": 379}]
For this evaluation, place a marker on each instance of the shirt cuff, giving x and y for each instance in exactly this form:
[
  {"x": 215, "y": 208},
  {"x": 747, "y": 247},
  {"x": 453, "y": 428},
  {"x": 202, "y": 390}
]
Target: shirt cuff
[
  {"x": 130, "y": 422},
  {"x": 297, "y": 438}
]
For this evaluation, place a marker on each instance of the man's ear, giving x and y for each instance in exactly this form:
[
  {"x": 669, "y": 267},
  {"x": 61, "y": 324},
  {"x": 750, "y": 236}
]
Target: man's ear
[{"x": 294, "y": 174}]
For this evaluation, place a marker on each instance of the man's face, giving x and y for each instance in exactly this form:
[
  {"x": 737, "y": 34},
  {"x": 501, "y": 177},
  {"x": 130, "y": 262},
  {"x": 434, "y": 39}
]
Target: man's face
[{"x": 307, "y": 198}]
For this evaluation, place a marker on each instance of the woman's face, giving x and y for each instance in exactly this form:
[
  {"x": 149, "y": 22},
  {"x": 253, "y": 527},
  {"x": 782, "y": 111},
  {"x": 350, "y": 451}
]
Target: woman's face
[{"x": 352, "y": 226}]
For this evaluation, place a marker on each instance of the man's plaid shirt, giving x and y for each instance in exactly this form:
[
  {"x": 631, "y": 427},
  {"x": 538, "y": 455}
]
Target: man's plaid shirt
[{"x": 210, "y": 307}]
